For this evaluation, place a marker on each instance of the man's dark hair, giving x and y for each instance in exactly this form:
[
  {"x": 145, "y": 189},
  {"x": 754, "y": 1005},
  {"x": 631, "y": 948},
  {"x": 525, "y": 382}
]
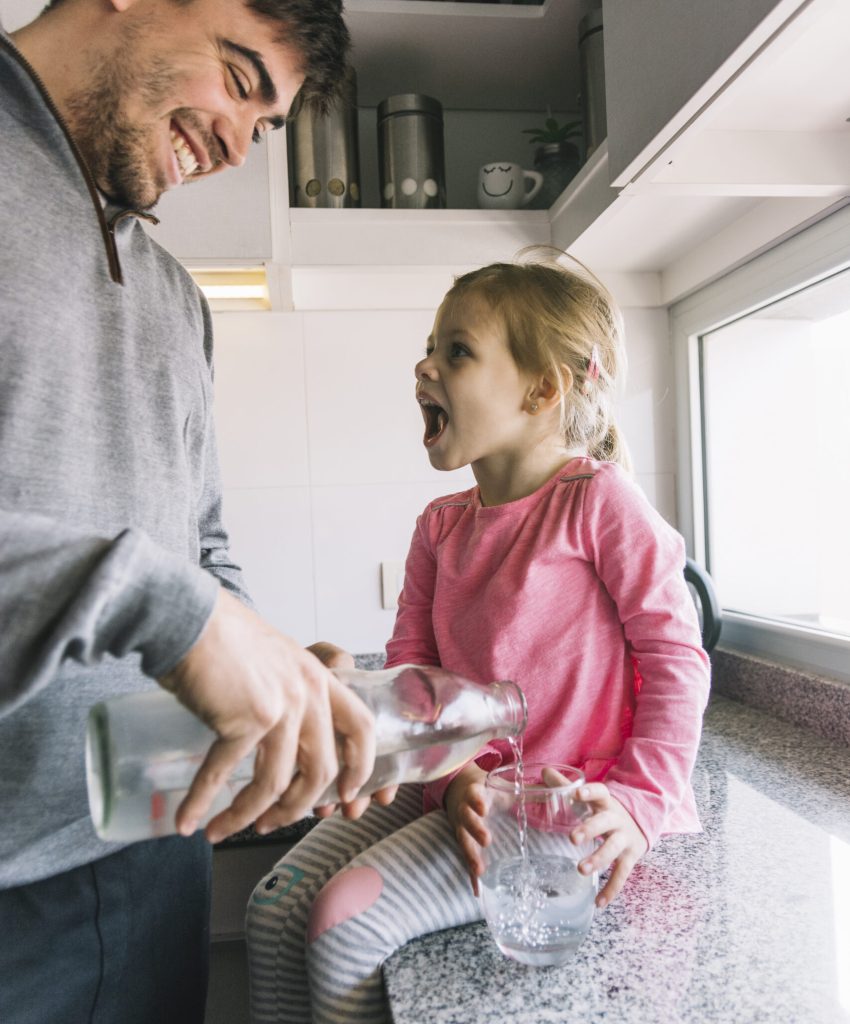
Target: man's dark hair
[{"x": 316, "y": 30}]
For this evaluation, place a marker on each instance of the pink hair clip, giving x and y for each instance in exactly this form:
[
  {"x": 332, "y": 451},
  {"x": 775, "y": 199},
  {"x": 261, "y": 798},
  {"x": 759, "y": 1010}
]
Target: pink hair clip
[{"x": 592, "y": 370}]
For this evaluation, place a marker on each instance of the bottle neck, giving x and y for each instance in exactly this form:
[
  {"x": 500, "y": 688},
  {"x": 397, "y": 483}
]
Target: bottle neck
[{"x": 514, "y": 710}]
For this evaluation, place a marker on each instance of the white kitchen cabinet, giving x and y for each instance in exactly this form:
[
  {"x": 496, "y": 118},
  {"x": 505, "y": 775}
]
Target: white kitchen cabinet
[
  {"x": 760, "y": 149},
  {"x": 727, "y": 130},
  {"x": 658, "y": 55}
]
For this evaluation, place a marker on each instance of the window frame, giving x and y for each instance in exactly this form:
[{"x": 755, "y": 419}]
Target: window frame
[{"x": 806, "y": 258}]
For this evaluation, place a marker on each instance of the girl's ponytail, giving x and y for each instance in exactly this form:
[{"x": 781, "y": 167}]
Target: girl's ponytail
[{"x": 613, "y": 448}]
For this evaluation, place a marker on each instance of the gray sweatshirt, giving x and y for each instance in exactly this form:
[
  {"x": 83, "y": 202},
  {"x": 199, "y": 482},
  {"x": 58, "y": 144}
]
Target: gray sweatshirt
[{"x": 111, "y": 542}]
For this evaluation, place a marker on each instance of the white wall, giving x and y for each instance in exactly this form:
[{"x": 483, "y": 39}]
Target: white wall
[{"x": 323, "y": 464}]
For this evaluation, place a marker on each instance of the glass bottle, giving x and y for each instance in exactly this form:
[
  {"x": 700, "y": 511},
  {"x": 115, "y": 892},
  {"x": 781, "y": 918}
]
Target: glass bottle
[{"x": 143, "y": 749}]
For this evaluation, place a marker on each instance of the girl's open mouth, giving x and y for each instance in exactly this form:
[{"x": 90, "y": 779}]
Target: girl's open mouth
[{"x": 436, "y": 419}]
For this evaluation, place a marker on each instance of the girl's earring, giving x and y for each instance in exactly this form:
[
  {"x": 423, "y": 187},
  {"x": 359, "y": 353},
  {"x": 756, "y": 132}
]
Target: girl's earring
[{"x": 533, "y": 406}]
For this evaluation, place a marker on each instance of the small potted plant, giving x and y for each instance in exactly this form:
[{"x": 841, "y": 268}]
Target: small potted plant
[{"x": 556, "y": 158}]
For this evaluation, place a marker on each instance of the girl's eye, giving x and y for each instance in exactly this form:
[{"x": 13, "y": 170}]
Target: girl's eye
[
  {"x": 458, "y": 350},
  {"x": 239, "y": 80}
]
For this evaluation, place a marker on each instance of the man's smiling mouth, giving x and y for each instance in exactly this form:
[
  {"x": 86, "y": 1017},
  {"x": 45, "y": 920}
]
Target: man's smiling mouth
[{"x": 183, "y": 151}]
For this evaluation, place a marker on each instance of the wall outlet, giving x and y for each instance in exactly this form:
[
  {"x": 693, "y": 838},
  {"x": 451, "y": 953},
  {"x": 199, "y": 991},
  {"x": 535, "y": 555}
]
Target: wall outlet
[{"x": 392, "y": 580}]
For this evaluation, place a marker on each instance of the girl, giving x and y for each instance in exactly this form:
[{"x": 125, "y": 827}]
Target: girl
[{"x": 553, "y": 571}]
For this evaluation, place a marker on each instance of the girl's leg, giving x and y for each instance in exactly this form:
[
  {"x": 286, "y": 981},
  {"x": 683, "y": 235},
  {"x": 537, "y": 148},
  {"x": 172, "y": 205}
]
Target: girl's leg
[
  {"x": 412, "y": 883},
  {"x": 276, "y": 919}
]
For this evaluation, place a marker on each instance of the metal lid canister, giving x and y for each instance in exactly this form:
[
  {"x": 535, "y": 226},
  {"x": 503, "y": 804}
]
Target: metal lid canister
[
  {"x": 411, "y": 157},
  {"x": 324, "y": 155}
]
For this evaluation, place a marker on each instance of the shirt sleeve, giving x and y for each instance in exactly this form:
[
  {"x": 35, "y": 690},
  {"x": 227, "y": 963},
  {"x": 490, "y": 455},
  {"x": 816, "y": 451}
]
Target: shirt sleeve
[
  {"x": 413, "y": 641},
  {"x": 67, "y": 594},
  {"x": 641, "y": 560}
]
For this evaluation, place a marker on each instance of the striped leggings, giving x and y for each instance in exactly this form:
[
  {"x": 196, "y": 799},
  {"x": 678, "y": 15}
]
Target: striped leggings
[{"x": 323, "y": 920}]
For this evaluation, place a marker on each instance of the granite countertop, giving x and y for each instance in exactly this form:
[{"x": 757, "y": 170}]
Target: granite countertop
[{"x": 748, "y": 922}]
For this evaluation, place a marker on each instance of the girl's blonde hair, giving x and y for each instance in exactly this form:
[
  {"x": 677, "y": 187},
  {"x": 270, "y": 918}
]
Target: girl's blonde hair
[{"x": 558, "y": 317}]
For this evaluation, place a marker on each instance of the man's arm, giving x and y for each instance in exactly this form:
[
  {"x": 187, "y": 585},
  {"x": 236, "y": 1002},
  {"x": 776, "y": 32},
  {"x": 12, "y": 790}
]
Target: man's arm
[{"x": 68, "y": 594}]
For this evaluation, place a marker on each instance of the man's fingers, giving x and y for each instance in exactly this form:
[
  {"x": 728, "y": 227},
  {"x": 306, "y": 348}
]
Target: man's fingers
[
  {"x": 210, "y": 779},
  {"x": 385, "y": 796},
  {"x": 331, "y": 655},
  {"x": 354, "y": 808},
  {"x": 273, "y": 769},
  {"x": 355, "y": 729}
]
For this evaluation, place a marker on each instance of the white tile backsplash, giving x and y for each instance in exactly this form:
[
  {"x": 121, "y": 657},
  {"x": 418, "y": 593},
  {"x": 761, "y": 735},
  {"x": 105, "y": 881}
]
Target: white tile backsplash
[
  {"x": 260, "y": 399},
  {"x": 272, "y": 539},
  {"x": 355, "y": 528},
  {"x": 646, "y": 411},
  {"x": 364, "y": 424}
]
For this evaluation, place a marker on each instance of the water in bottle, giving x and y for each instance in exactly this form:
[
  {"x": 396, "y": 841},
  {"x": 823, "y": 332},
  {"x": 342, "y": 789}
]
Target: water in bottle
[{"x": 143, "y": 750}]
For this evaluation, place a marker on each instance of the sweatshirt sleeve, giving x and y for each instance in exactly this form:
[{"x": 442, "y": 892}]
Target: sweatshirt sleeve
[
  {"x": 67, "y": 594},
  {"x": 641, "y": 560}
]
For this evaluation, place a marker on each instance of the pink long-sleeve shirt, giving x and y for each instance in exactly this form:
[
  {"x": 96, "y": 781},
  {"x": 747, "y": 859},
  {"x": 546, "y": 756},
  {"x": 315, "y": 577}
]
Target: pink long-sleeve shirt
[{"x": 568, "y": 592}]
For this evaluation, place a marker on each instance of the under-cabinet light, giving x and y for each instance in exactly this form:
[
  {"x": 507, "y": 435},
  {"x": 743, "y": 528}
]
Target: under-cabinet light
[{"x": 233, "y": 288}]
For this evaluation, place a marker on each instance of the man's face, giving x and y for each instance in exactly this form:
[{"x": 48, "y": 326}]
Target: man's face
[{"x": 185, "y": 91}]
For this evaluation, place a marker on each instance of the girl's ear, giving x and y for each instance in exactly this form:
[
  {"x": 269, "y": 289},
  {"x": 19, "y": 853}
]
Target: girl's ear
[{"x": 545, "y": 393}]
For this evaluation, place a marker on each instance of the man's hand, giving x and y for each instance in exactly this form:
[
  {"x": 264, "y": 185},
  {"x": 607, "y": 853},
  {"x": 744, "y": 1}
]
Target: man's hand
[
  {"x": 466, "y": 807},
  {"x": 331, "y": 655},
  {"x": 624, "y": 843},
  {"x": 257, "y": 688},
  {"x": 337, "y": 657}
]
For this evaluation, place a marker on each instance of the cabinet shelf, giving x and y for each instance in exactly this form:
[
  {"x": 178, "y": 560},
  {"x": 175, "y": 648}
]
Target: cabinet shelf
[{"x": 412, "y": 238}]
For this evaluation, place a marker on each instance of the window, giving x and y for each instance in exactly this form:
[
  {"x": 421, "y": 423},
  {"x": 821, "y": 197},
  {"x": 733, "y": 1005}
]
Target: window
[{"x": 764, "y": 366}]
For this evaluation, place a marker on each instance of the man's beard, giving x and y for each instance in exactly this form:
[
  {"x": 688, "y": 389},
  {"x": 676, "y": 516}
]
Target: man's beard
[{"x": 117, "y": 151}]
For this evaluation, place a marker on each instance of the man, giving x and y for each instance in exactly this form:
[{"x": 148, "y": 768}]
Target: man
[{"x": 114, "y": 567}]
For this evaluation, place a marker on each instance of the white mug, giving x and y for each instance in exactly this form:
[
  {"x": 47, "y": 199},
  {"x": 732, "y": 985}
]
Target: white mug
[{"x": 503, "y": 186}]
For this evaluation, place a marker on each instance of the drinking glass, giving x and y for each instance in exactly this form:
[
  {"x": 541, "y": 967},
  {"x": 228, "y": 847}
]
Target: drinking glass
[{"x": 536, "y": 904}]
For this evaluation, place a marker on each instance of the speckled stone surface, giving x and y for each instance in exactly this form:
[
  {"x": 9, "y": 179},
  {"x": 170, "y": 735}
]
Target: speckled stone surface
[
  {"x": 748, "y": 922},
  {"x": 815, "y": 702}
]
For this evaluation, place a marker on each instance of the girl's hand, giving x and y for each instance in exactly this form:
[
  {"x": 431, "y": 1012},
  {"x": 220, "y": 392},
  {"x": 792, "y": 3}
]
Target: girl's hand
[
  {"x": 466, "y": 807},
  {"x": 624, "y": 843}
]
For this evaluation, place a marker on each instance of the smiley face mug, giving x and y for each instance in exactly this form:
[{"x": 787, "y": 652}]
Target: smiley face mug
[{"x": 504, "y": 186}]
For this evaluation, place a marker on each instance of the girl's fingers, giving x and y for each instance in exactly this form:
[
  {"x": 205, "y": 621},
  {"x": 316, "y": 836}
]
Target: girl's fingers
[
  {"x": 470, "y": 850},
  {"x": 616, "y": 881},
  {"x": 594, "y": 791},
  {"x": 596, "y": 825},
  {"x": 604, "y": 855},
  {"x": 474, "y": 826}
]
